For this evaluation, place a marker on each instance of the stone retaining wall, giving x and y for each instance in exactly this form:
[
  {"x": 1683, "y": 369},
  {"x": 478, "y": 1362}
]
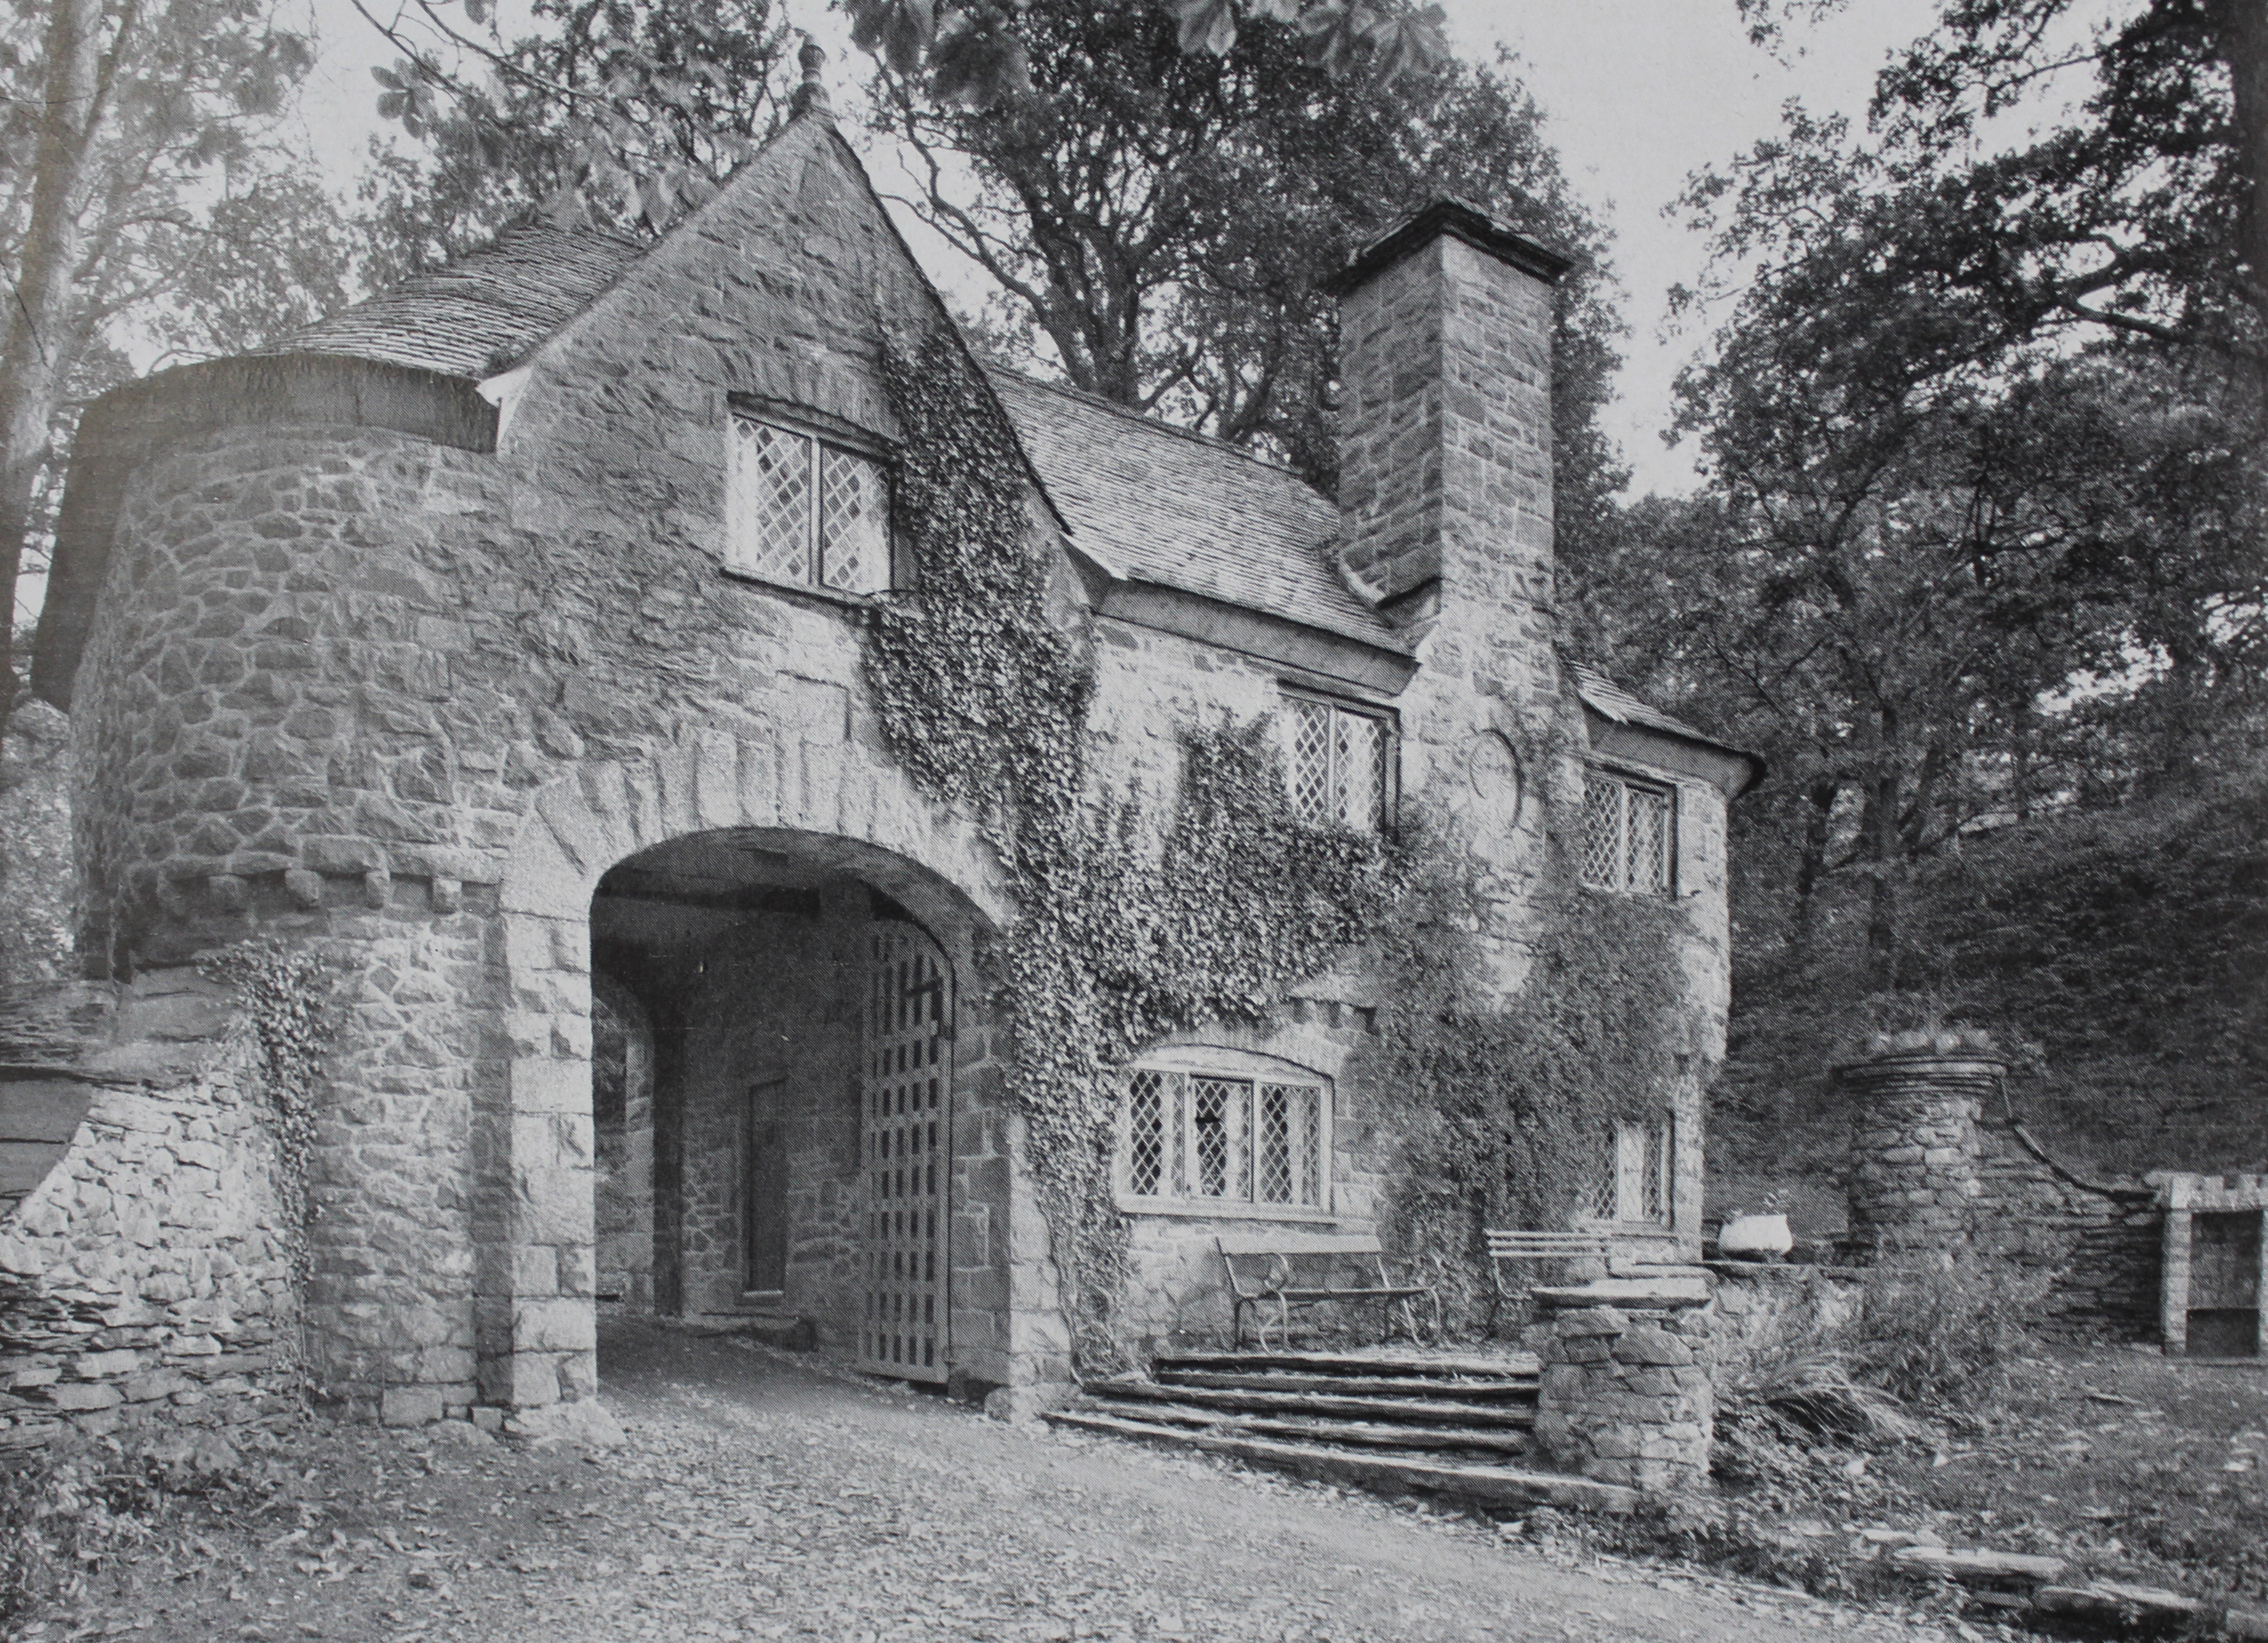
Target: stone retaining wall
[
  {"x": 149, "y": 1276},
  {"x": 1760, "y": 1306},
  {"x": 2099, "y": 1240}
]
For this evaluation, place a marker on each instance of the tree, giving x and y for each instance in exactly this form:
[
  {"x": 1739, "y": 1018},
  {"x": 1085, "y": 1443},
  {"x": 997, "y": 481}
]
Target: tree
[
  {"x": 622, "y": 112},
  {"x": 1162, "y": 219},
  {"x": 1983, "y": 431},
  {"x": 978, "y": 53},
  {"x": 2141, "y": 215},
  {"x": 1929, "y": 612},
  {"x": 630, "y": 113},
  {"x": 144, "y": 198}
]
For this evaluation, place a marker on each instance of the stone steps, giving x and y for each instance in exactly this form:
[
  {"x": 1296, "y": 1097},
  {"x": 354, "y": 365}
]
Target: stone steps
[
  {"x": 1315, "y": 1428},
  {"x": 1429, "y": 1411},
  {"x": 1521, "y": 1389},
  {"x": 1433, "y": 1423},
  {"x": 1405, "y": 1366},
  {"x": 1478, "y": 1485}
]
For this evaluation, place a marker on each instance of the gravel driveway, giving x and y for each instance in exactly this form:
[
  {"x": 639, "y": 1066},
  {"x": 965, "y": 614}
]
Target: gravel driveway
[{"x": 763, "y": 1495}]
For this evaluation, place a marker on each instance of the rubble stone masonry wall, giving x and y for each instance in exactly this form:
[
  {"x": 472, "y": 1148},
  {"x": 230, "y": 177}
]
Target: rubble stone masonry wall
[
  {"x": 1939, "y": 1169},
  {"x": 408, "y": 700},
  {"x": 1625, "y": 1394},
  {"x": 149, "y": 1277}
]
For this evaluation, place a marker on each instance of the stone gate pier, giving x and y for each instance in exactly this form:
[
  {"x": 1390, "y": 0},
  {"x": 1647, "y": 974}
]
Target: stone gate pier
[
  {"x": 1915, "y": 1181},
  {"x": 1625, "y": 1394}
]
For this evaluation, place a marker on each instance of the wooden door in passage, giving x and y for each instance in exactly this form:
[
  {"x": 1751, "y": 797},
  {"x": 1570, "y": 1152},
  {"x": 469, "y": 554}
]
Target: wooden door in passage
[{"x": 763, "y": 1194}]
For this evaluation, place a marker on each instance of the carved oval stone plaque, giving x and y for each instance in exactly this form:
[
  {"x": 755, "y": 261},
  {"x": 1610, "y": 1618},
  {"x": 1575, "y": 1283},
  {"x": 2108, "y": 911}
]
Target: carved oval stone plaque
[{"x": 1495, "y": 776}]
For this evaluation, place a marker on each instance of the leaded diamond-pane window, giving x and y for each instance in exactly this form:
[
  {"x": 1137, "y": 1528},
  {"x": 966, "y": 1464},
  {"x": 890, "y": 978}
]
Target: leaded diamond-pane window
[
  {"x": 802, "y": 511},
  {"x": 1240, "y": 1140},
  {"x": 1336, "y": 762},
  {"x": 1145, "y": 1133},
  {"x": 1630, "y": 835},
  {"x": 1635, "y": 1180},
  {"x": 854, "y": 522}
]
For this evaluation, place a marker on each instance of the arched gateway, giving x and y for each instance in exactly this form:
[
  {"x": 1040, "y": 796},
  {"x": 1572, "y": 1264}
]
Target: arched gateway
[{"x": 821, "y": 1103}]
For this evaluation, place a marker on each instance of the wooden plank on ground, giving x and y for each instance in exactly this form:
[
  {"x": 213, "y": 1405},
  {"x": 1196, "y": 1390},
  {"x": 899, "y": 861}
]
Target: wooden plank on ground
[
  {"x": 1430, "y": 1411},
  {"x": 1481, "y": 1485}
]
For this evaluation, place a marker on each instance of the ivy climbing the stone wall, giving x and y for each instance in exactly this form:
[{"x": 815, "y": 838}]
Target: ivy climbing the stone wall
[
  {"x": 1507, "y": 1106},
  {"x": 983, "y": 698},
  {"x": 1126, "y": 931},
  {"x": 287, "y": 995}
]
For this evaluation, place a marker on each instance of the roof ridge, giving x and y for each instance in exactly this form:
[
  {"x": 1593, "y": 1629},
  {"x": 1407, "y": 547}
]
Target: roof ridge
[{"x": 1071, "y": 390}]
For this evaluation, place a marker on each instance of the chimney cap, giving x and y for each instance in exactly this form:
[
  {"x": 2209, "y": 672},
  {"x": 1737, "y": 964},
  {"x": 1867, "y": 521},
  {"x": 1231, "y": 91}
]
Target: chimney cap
[{"x": 1459, "y": 221}]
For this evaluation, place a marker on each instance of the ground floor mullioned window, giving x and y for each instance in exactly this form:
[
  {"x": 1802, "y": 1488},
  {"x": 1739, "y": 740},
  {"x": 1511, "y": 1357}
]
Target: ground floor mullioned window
[{"x": 1225, "y": 1135}]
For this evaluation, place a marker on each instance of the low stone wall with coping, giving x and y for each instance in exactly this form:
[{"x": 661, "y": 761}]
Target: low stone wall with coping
[{"x": 149, "y": 1276}]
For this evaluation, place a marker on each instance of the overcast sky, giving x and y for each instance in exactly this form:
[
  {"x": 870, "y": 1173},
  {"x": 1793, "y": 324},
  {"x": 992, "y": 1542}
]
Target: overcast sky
[{"x": 1639, "y": 94}]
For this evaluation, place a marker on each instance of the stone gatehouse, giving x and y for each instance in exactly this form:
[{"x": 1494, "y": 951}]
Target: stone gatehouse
[{"x": 502, "y": 635}]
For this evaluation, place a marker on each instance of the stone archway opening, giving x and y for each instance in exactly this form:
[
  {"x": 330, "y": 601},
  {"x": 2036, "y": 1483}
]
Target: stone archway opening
[{"x": 790, "y": 1084}]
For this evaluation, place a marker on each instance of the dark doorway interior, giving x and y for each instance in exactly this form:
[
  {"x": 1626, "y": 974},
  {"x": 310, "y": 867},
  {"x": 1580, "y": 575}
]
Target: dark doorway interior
[{"x": 2224, "y": 1312}]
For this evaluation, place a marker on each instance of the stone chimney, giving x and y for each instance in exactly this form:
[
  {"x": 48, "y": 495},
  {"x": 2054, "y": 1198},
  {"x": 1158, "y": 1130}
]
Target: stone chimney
[{"x": 1444, "y": 424}]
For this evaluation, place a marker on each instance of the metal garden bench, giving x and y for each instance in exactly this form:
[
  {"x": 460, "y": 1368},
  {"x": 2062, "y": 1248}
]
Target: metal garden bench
[{"x": 1260, "y": 1274}]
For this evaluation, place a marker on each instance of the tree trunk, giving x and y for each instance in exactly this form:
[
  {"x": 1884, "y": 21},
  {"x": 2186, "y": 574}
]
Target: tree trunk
[
  {"x": 42, "y": 344},
  {"x": 2241, "y": 26},
  {"x": 1803, "y": 919},
  {"x": 1879, "y": 834}
]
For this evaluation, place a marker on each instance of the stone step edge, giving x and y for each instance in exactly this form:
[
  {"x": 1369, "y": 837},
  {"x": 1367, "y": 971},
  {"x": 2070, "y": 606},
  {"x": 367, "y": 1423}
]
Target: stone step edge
[
  {"x": 1980, "y": 1564},
  {"x": 1377, "y": 1434},
  {"x": 2099, "y": 1603},
  {"x": 1513, "y": 1367},
  {"x": 1480, "y": 1485},
  {"x": 1434, "y": 1412},
  {"x": 1508, "y": 1389}
]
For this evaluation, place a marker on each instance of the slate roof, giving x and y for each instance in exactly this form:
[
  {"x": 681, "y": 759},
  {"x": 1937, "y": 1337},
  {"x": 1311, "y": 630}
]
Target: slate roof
[
  {"x": 481, "y": 313},
  {"x": 1161, "y": 504},
  {"x": 1155, "y": 503},
  {"x": 1603, "y": 696}
]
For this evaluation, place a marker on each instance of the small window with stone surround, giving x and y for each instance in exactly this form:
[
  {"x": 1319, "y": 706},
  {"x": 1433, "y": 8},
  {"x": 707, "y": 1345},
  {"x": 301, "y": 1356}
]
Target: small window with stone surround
[
  {"x": 1630, "y": 834},
  {"x": 1635, "y": 1183},
  {"x": 1224, "y": 1136},
  {"x": 1338, "y": 762},
  {"x": 806, "y": 511}
]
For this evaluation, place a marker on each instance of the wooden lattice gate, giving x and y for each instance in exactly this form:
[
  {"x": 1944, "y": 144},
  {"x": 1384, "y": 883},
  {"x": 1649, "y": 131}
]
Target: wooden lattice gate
[{"x": 907, "y": 1103}]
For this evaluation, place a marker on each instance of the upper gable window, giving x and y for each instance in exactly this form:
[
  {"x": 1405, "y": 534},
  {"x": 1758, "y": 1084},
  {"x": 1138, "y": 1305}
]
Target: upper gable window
[
  {"x": 1630, "y": 834},
  {"x": 1339, "y": 762},
  {"x": 804, "y": 511}
]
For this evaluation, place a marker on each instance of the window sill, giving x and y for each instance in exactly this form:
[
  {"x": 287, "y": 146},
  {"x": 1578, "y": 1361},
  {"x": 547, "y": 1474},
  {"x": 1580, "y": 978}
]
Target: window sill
[
  {"x": 1224, "y": 1209},
  {"x": 805, "y": 590},
  {"x": 1627, "y": 1229}
]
